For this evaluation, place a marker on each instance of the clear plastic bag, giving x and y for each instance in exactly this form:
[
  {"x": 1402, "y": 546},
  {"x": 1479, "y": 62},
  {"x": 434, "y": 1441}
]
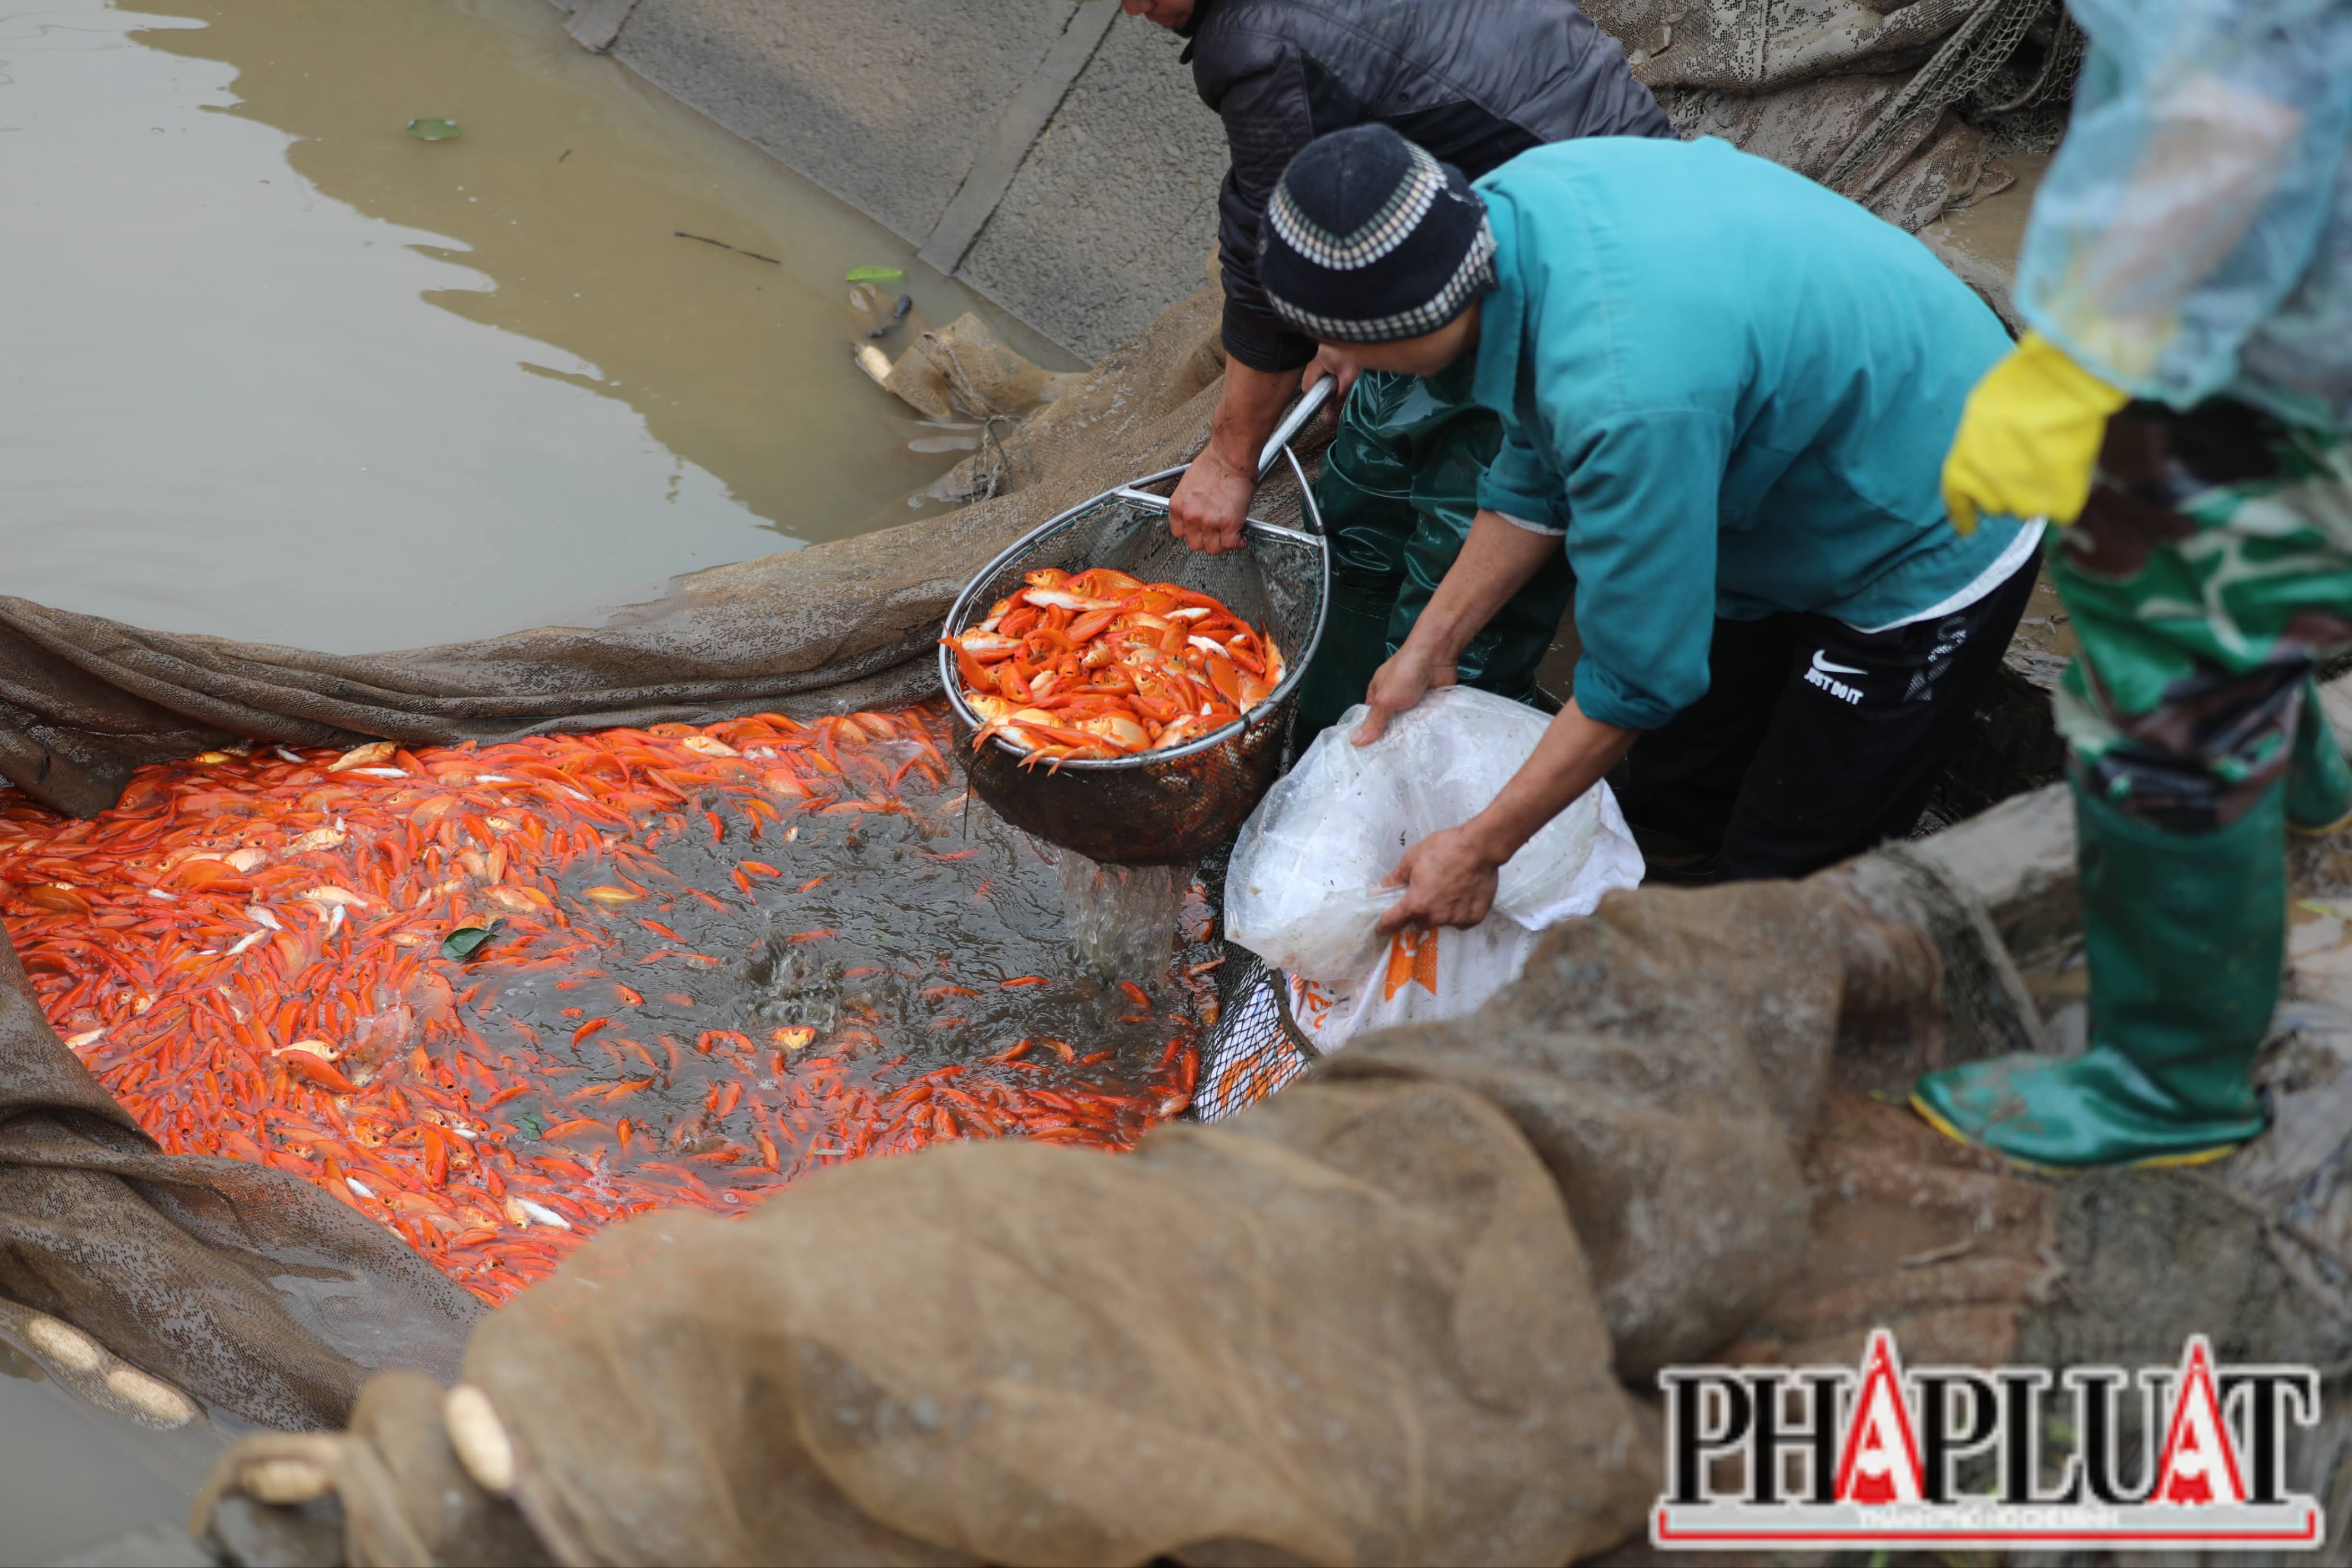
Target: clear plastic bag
[{"x": 1304, "y": 889}]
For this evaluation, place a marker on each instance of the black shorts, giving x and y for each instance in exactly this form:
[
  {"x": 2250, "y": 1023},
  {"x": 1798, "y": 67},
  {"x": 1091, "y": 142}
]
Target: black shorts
[{"x": 1816, "y": 742}]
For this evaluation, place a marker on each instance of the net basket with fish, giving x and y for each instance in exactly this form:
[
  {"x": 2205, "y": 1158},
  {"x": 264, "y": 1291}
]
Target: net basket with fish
[{"x": 1242, "y": 625}]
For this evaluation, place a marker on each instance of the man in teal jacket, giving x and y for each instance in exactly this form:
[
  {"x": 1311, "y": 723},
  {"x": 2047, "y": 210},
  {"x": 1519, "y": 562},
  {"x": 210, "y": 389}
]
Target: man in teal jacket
[{"x": 1727, "y": 392}]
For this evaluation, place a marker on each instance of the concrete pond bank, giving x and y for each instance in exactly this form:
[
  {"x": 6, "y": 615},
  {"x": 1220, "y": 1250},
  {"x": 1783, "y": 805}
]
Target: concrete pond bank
[{"x": 1052, "y": 155}]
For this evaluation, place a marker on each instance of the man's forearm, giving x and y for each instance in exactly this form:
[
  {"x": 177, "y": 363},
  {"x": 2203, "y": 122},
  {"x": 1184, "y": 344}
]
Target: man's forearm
[
  {"x": 1572, "y": 756},
  {"x": 1497, "y": 561},
  {"x": 1248, "y": 409}
]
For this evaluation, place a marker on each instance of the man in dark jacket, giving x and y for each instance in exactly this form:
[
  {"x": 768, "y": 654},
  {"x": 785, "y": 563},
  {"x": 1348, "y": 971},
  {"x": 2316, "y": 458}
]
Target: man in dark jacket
[{"x": 1476, "y": 82}]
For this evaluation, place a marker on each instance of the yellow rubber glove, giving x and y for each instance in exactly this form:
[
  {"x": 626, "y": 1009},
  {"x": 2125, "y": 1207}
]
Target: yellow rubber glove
[{"x": 2029, "y": 439}]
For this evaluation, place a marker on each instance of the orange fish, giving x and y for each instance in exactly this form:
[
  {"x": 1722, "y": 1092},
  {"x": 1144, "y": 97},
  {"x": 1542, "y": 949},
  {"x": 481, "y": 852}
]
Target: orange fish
[{"x": 164, "y": 938}]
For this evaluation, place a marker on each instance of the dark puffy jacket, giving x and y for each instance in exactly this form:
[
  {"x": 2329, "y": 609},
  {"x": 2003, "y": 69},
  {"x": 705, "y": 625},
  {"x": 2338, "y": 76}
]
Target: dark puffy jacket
[{"x": 1476, "y": 82}]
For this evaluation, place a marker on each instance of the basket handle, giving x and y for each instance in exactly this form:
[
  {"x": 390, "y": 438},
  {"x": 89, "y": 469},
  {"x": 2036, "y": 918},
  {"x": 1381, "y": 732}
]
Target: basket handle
[{"x": 1306, "y": 408}]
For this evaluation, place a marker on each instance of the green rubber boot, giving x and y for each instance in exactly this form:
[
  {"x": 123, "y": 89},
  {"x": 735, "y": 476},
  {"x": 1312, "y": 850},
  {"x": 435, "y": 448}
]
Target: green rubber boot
[
  {"x": 2186, "y": 937},
  {"x": 2318, "y": 780}
]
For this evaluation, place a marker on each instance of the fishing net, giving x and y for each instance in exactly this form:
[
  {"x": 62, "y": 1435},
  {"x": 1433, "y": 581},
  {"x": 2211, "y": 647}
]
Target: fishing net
[
  {"x": 1424, "y": 1270},
  {"x": 1901, "y": 107},
  {"x": 1380, "y": 1317},
  {"x": 1255, "y": 1047},
  {"x": 485, "y": 996},
  {"x": 348, "y": 1008},
  {"x": 302, "y": 1238}
]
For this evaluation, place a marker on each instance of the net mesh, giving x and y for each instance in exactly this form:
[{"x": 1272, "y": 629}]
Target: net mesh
[
  {"x": 1253, "y": 1049},
  {"x": 1250, "y": 1047}
]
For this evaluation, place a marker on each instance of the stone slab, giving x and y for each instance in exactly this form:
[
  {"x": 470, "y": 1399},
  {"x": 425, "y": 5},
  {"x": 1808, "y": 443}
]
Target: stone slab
[
  {"x": 1016, "y": 131},
  {"x": 595, "y": 26},
  {"x": 1052, "y": 155},
  {"x": 1113, "y": 214}
]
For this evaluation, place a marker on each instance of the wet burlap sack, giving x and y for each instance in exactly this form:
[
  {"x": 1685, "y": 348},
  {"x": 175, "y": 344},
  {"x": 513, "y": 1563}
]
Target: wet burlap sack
[
  {"x": 1383, "y": 1317},
  {"x": 964, "y": 371},
  {"x": 829, "y": 628}
]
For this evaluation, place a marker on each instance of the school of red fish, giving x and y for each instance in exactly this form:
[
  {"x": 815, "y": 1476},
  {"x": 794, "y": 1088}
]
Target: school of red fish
[
  {"x": 1102, "y": 665},
  {"x": 298, "y": 958}
]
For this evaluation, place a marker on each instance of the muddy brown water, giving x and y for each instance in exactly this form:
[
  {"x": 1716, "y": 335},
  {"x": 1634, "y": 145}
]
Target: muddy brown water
[{"x": 274, "y": 368}]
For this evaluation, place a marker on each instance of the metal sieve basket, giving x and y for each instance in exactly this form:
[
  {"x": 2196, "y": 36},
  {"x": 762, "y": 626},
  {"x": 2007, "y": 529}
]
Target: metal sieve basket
[{"x": 1161, "y": 809}]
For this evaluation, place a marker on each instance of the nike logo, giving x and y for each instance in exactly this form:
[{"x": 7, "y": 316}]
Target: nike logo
[{"x": 1824, "y": 675}]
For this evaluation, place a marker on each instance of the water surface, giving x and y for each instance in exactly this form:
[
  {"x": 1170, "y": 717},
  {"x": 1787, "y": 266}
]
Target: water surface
[{"x": 273, "y": 368}]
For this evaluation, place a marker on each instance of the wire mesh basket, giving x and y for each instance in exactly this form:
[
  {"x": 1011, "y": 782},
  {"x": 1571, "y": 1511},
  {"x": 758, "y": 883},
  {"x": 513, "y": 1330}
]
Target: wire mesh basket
[
  {"x": 1254, "y": 1048},
  {"x": 1161, "y": 809}
]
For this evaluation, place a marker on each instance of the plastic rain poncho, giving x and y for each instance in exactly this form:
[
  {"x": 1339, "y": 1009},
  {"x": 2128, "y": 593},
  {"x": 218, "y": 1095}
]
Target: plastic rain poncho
[{"x": 2194, "y": 235}]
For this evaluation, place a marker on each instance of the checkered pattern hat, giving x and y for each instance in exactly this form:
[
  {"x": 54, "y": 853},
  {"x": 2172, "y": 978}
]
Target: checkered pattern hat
[{"x": 1369, "y": 239}]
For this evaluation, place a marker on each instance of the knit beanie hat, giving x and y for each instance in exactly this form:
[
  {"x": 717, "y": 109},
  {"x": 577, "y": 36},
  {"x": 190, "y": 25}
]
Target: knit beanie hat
[{"x": 1369, "y": 239}]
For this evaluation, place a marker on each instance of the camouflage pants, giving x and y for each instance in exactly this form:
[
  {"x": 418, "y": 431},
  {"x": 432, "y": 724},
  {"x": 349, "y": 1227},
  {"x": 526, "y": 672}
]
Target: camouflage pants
[{"x": 2207, "y": 577}]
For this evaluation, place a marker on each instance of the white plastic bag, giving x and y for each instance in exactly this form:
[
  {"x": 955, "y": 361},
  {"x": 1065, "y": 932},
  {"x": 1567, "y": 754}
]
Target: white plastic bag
[{"x": 1303, "y": 889}]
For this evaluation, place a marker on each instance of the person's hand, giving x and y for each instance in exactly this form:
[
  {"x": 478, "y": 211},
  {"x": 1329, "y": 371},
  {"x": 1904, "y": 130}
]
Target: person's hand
[
  {"x": 2029, "y": 438},
  {"x": 1449, "y": 879},
  {"x": 1411, "y": 673},
  {"x": 1332, "y": 361},
  {"x": 1211, "y": 503}
]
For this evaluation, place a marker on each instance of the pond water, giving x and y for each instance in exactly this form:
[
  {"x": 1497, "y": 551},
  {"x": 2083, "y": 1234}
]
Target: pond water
[
  {"x": 274, "y": 368},
  {"x": 71, "y": 1476}
]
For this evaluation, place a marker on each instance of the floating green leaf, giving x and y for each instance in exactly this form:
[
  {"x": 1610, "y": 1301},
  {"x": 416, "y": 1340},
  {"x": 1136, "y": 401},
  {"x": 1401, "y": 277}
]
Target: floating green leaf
[
  {"x": 530, "y": 1128},
  {"x": 434, "y": 130},
  {"x": 876, "y": 274},
  {"x": 467, "y": 941}
]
